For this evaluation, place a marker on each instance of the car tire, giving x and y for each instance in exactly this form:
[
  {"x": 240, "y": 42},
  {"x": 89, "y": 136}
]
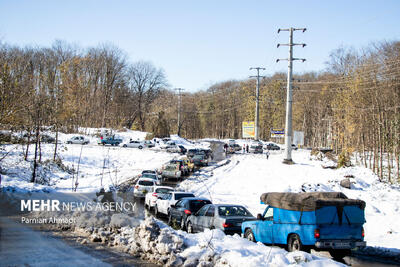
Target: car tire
[
  {"x": 249, "y": 235},
  {"x": 116, "y": 144},
  {"x": 140, "y": 147},
  {"x": 156, "y": 213},
  {"x": 183, "y": 226},
  {"x": 124, "y": 146},
  {"x": 339, "y": 254},
  {"x": 169, "y": 222},
  {"x": 294, "y": 243},
  {"x": 189, "y": 228},
  {"x": 69, "y": 142}
]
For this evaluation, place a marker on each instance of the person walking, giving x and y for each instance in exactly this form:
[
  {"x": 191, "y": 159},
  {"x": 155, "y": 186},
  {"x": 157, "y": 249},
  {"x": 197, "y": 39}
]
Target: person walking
[
  {"x": 244, "y": 148},
  {"x": 247, "y": 148},
  {"x": 267, "y": 154}
]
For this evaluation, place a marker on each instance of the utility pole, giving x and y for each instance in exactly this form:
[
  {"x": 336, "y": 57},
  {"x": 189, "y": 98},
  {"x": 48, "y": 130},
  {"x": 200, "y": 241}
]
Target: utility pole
[
  {"x": 179, "y": 108},
  {"x": 288, "y": 126},
  {"x": 257, "y": 115}
]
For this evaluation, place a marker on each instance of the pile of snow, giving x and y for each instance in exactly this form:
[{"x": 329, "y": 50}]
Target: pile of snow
[{"x": 157, "y": 243}]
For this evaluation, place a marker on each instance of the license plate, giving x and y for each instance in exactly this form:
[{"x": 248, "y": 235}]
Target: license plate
[{"x": 341, "y": 244}]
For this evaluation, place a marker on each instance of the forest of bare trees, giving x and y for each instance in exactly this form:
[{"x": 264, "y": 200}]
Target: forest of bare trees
[{"x": 352, "y": 106}]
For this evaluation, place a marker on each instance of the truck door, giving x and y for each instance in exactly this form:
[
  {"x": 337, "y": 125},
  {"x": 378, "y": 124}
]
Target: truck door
[{"x": 266, "y": 225}]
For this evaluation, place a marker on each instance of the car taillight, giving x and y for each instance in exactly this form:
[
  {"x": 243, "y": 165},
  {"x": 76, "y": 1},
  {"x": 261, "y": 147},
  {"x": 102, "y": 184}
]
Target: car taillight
[
  {"x": 226, "y": 225},
  {"x": 362, "y": 232},
  {"x": 136, "y": 186},
  {"x": 154, "y": 194},
  {"x": 187, "y": 212},
  {"x": 316, "y": 233}
]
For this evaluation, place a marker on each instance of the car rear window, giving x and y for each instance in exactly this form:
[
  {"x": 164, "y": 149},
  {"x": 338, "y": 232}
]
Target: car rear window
[
  {"x": 146, "y": 183},
  {"x": 197, "y": 204},
  {"x": 229, "y": 211},
  {"x": 179, "y": 196},
  {"x": 149, "y": 175},
  {"x": 163, "y": 190}
]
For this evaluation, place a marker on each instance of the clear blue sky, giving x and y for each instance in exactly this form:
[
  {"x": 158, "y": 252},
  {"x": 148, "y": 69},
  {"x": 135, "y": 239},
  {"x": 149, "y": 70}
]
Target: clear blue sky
[{"x": 201, "y": 42}]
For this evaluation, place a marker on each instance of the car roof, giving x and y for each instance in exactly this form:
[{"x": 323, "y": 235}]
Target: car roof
[
  {"x": 229, "y": 205},
  {"x": 180, "y": 192},
  {"x": 195, "y": 198},
  {"x": 161, "y": 186}
]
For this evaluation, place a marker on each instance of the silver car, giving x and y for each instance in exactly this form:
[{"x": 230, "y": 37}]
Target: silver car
[
  {"x": 134, "y": 144},
  {"x": 143, "y": 186},
  {"x": 81, "y": 140},
  {"x": 226, "y": 217}
]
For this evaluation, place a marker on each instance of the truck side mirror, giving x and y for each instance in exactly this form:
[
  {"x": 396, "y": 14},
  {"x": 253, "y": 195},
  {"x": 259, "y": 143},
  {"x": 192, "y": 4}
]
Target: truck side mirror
[{"x": 259, "y": 217}]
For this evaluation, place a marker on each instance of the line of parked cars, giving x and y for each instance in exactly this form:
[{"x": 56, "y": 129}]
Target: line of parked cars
[
  {"x": 326, "y": 221},
  {"x": 194, "y": 214}
]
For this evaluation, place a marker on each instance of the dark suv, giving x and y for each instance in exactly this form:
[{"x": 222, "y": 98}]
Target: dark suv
[
  {"x": 179, "y": 212},
  {"x": 273, "y": 147}
]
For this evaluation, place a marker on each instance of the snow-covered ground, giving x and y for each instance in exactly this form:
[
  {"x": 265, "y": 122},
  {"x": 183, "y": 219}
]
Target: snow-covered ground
[
  {"x": 247, "y": 176},
  {"x": 99, "y": 166},
  {"x": 241, "y": 180}
]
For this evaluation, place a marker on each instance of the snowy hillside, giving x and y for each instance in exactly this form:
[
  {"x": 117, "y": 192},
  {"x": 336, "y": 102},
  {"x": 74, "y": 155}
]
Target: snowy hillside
[{"x": 247, "y": 176}]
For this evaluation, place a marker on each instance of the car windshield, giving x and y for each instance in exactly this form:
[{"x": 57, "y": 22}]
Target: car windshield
[
  {"x": 229, "y": 211},
  {"x": 170, "y": 168},
  {"x": 146, "y": 183},
  {"x": 197, "y": 204},
  {"x": 179, "y": 196}
]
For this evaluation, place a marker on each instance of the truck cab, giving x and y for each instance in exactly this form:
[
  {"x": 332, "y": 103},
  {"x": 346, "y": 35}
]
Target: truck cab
[{"x": 301, "y": 221}]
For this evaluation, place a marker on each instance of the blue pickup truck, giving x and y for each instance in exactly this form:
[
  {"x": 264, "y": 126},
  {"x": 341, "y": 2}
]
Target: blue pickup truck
[
  {"x": 109, "y": 140},
  {"x": 301, "y": 221}
]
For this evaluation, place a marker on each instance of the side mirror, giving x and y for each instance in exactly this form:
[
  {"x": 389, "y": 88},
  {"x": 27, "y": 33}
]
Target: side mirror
[
  {"x": 173, "y": 206},
  {"x": 259, "y": 217}
]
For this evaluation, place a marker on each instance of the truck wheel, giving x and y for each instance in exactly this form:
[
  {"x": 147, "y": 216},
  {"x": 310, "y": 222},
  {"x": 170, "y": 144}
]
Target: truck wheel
[
  {"x": 249, "y": 235},
  {"x": 339, "y": 254},
  {"x": 140, "y": 147},
  {"x": 294, "y": 243}
]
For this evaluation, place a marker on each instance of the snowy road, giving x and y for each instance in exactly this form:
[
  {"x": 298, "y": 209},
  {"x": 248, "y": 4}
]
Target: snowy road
[{"x": 22, "y": 246}]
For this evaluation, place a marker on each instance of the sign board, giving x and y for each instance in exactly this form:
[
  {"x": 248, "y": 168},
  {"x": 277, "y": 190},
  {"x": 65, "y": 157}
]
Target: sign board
[
  {"x": 248, "y": 129},
  {"x": 298, "y": 138},
  {"x": 277, "y": 132}
]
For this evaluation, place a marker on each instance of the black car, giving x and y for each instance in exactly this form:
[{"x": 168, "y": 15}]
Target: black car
[
  {"x": 191, "y": 153},
  {"x": 185, "y": 207},
  {"x": 183, "y": 149},
  {"x": 273, "y": 147},
  {"x": 200, "y": 160}
]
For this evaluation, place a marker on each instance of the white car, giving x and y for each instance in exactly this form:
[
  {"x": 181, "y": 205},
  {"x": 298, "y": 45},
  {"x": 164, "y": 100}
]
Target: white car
[
  {"x": 168, "y": 144},
  {"x": 165, "y": 201},
  {"x": 151, "y": 197},
  {"x": 79, "y": 139},
  {"x": 143, "y": 186},
  {"x": 153, "y": 176},
  {"x": 135, "y": 144}
]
